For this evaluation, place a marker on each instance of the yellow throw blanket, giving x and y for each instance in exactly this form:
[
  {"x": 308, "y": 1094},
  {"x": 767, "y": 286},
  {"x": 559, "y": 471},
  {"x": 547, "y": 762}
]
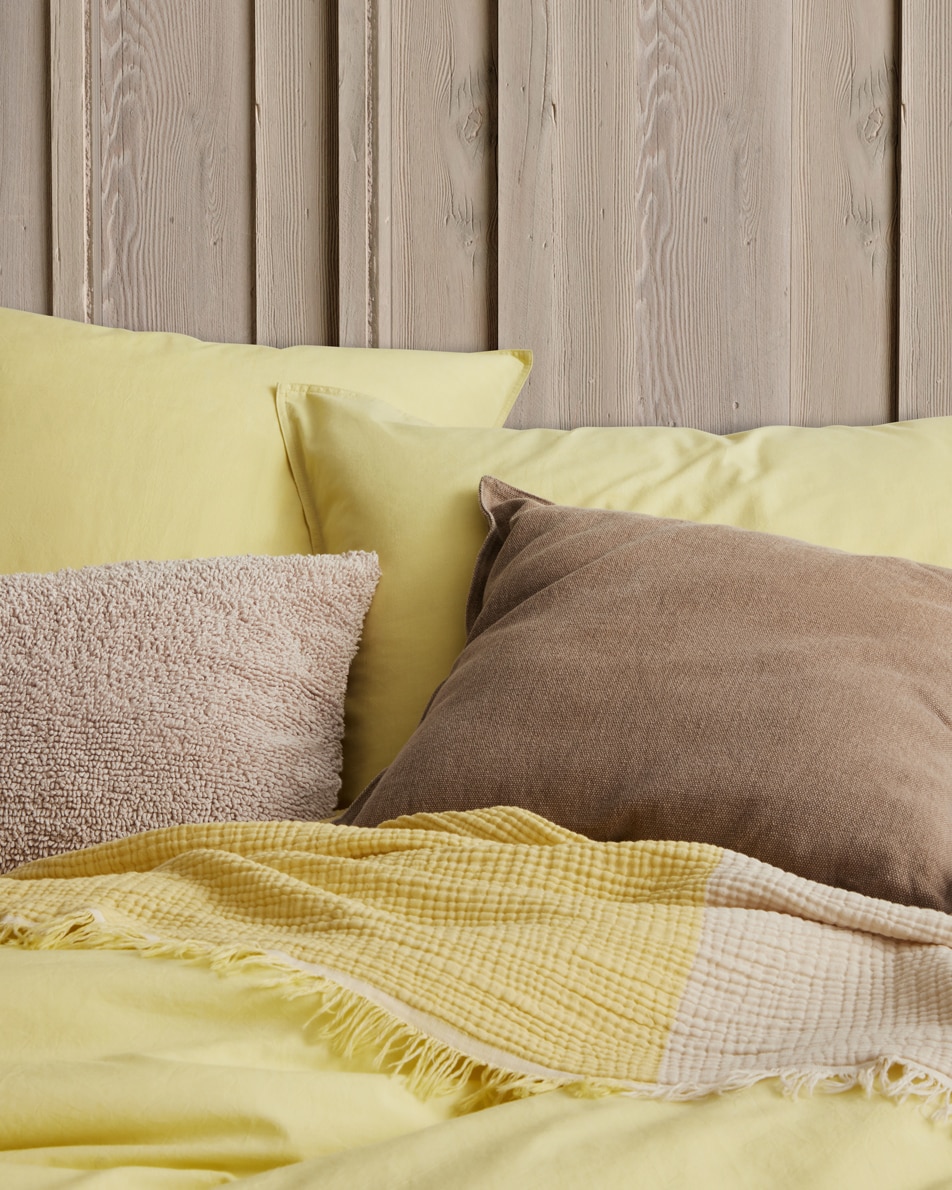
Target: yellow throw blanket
[{"x": 494, "y": 946}]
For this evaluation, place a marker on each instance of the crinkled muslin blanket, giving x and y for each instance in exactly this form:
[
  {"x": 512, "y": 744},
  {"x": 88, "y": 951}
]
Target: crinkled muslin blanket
[{"x": 494, "y": 946}]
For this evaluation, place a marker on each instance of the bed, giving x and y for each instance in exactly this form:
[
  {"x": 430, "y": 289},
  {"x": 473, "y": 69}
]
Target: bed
[
  {"x": 429, "y": 762},
  {"x": 640, "y": 858}
]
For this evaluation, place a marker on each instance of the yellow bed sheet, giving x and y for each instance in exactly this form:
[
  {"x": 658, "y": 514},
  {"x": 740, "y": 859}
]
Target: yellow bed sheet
[{"x": 160, "y": 1073}]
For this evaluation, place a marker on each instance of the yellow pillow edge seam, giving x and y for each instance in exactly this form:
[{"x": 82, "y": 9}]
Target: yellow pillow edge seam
[
  {"x": 294, "y": 453},
  {"x": 525, "y": 357}
]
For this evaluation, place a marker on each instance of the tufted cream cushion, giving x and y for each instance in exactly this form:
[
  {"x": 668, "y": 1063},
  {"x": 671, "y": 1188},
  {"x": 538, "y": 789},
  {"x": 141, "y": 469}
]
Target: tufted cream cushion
[{"x": 146, "y": 694}]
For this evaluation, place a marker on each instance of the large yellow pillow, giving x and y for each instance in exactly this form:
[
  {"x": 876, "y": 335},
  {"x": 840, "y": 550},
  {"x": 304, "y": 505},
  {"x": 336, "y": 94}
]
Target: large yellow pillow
[
  {"x": 373, "y": 479},
  {"x": 117, "y": 445}
]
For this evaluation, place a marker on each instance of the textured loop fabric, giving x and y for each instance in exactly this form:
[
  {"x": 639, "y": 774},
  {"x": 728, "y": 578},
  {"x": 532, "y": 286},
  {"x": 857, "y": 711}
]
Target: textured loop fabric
[{"x": 144, "y": 694}]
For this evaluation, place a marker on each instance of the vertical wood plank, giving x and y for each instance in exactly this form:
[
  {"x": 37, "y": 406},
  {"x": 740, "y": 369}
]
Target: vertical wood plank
[
  {"x": 644, "y": 207},
  {"x": 529, "y": 207},
  {"x": 75, "y": 175},
  {"x": 365, "y": 173},
  {"x": 843, "y": 279},
  {"x": 442, "y": 117},
  {"x": 417, "y": 139},
  {"x": 384, "y": 157},
  {"x": 380, "y": 180},
  {"x": 354, "y": 173},
  {"x": 715, "y": 179},
  {"x": 24, "y": 156},
  {"x": 295, "y": 172},
  {"x": 925, "y": 266},
  {"x": 177, "y": 167}
]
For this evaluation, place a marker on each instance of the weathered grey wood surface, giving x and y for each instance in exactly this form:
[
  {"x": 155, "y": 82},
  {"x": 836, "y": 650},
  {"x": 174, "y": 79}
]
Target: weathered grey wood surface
[
  {"x": 417, "y": 174},
  {"x": 696, "y": 212},
  {"x": 177, "y": 167},
  {"x": 295, "y": 193},
  {"x": 925, "y": 287},
  {"x": 75, "y": 192},
  {"x": 24, "y": 155},
  {"x": 644, "y": 209},
  {"x": 844, "y": 216}
]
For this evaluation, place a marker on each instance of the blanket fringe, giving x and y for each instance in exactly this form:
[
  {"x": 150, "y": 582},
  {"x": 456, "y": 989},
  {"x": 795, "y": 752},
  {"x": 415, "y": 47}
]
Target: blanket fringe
[
  {"x": 888, "y": 1077},
  {"x": 891, "y": 1077},
  {"x": 355, "y": 1027},
  {"x": 351, "y": 1025}
]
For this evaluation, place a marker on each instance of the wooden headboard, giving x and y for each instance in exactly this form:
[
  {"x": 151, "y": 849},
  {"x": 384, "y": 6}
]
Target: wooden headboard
[{"x": 718, "y": 213}]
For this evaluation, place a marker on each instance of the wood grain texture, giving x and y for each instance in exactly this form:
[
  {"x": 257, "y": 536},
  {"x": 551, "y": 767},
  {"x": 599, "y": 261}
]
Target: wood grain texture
[
  {"x": 380, "y": 50},
  {"x": 843, "y": 251},
  {"x": 177, "y": 167},
  {"x": 644, "y": 210},
  {"x": 74, "y": 138},
  {"x": 24, "y": 156},
  {"x": 416, "y": 168},
  {"x": 712, "y": 312},
  {"x": 530, "y": 215},
  {"x": 69, "y": 160},
  {"x": 436, "y": 105},
  {"x": 925, "y": 267},
  {"x": 295, "y": 172},
  {"x": 697, "y": 206},
  {"x": 354, "y": 175}
]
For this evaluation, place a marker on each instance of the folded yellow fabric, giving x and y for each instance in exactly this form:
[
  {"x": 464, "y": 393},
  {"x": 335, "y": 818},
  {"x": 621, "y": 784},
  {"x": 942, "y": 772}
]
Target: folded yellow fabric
[
  {"x": 371, "y": 478},
  {"x": 117, "y": 446},
  {"x": 494, "y": 945}
]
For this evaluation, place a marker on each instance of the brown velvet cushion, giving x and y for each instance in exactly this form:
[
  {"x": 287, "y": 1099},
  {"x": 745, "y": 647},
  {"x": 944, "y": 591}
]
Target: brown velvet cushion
[
  {"x": 147, "y": 694},
  {"x": 636, "y": 677}
]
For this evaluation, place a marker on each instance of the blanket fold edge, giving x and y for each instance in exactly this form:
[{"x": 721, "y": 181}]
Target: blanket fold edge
[
  {"x": 355, "y": 1019},
  {"x": 353, "y": 1022}
]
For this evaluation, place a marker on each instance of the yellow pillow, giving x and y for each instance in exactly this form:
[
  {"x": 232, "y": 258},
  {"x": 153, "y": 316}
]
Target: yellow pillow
[
  {"x": 371, "y": 478},
  {"x": 117, "y": 446}
]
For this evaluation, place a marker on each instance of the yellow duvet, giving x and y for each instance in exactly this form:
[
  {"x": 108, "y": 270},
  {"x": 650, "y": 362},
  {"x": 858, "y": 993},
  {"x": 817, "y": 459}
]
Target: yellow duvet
[{"x": 461, "y": 1000}]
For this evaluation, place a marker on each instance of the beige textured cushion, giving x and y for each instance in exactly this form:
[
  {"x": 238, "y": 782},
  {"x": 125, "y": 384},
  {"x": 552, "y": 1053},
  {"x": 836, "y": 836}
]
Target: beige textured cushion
[
  {"x": 145, "y": 694},
  {"x": 633, "y": 676}
]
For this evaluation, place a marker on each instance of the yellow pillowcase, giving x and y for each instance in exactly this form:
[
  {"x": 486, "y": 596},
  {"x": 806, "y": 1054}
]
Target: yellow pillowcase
[
  {"x": 117, "y": 445},
  {"x": 373, "y": 479}
]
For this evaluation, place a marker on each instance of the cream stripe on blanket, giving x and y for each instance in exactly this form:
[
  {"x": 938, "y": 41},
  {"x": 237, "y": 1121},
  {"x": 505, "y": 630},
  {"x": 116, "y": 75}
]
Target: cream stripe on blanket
[{"x": 493, "y": 942}]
